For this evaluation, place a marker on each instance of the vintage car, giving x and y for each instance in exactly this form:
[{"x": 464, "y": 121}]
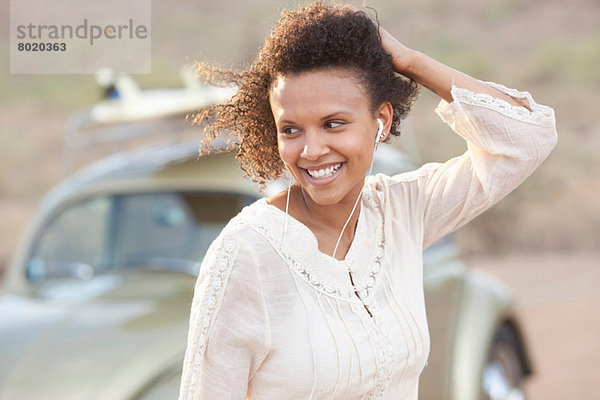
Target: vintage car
[{"x": 96, "y": 299}]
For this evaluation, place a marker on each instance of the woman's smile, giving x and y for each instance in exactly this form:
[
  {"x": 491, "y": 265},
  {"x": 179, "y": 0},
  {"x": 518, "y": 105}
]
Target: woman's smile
[{"x": 322, "y": 175}]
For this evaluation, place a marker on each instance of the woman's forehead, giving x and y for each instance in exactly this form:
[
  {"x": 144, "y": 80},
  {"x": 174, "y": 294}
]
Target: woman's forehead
[
  {"x": 319, "y": 74},
  {"x": 317, "y": 91}
]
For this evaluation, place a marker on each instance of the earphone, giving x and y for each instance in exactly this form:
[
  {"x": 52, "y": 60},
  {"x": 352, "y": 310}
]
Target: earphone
[{"x": 379, "y": 133}]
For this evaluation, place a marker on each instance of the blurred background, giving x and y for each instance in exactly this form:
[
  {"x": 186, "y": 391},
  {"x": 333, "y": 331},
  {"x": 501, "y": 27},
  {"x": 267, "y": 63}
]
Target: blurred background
[{"x": 543, "y": 239}]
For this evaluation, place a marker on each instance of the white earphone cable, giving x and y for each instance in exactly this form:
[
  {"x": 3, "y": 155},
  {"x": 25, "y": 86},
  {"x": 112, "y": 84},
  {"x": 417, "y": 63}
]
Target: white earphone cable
[
  {"x": 361, "y": 190},
  {"x": 287, "y": 206},
  {"x": 351, "y": 213}
]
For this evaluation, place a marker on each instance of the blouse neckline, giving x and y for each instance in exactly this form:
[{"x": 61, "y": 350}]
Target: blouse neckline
[
  {"x": 309, "y": 234},
  {"x": 323, "y": 272}
]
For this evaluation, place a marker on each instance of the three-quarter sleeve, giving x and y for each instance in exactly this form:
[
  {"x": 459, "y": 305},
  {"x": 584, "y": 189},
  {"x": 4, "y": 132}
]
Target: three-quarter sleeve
[
  {"x": 505, "y": 143},
  {"x": 229, "y": 329}
]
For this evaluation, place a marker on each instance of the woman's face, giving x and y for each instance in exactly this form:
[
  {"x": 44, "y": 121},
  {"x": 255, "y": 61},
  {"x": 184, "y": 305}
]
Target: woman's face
[{"x": 326, "y": 131}]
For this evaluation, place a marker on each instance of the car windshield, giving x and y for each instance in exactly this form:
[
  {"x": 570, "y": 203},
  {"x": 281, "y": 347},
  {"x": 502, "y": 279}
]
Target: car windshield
[{"x": 162, "y": 231}]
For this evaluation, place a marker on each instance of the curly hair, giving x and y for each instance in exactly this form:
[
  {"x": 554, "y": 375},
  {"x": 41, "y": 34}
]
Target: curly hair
[{"x": 314, "y": 37}]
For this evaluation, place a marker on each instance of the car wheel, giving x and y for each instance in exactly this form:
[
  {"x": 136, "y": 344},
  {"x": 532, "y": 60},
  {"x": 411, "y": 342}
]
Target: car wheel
[{"x": 503, "y": 374}]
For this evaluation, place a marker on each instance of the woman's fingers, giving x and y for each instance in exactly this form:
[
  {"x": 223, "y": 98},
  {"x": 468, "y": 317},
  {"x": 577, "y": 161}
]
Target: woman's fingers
[{"x": 401, "y": 55}]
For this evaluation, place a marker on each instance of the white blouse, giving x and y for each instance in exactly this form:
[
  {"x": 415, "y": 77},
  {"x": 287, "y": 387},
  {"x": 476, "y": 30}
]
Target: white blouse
[{"x": 277, "y": 320}]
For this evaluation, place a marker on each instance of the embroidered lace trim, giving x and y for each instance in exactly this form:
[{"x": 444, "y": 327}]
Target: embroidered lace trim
[
  {"x": 315, "y": 276},
  {"x": 219, "y": 262},
  {"x": 385, "y": 355},
  {"x": 539, "y": 114}
]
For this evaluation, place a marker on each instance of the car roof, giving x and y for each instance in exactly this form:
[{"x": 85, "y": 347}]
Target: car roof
[{"x": 151, "y": 166}]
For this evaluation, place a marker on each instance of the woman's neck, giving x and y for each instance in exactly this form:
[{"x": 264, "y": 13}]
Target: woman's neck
[{"x": 326, "y": 221}]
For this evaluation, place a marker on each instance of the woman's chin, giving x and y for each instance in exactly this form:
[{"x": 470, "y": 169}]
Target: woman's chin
[
  {"x": 325, "y": 201},
  {"x": 330, "y": 197}
]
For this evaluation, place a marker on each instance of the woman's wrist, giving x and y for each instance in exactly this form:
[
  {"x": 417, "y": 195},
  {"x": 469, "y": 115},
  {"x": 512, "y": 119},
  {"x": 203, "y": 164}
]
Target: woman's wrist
[
  {"x": 421, "y": 69},
  {"x": 409, "y": 65}
]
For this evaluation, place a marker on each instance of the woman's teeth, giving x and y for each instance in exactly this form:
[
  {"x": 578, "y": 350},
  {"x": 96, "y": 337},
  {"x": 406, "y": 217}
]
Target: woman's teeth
[{"x": 324, "y": 173}]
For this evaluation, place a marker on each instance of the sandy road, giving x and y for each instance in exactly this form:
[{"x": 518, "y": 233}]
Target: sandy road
[{"x": 558, "y": 297}]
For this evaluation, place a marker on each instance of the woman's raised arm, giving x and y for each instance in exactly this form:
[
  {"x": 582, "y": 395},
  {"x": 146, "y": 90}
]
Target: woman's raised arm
[{"x": 433, "y": 74}]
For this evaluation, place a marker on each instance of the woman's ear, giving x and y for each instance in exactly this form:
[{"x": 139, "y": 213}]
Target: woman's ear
[{"x": 385, "y": 113}]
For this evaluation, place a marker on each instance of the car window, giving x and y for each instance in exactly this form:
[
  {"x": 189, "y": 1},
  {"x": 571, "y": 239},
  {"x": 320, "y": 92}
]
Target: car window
[
  {"x": 167, "y": 231},
  {"x": 170, "y": 230},
  {"x": 73, "y": 242}
]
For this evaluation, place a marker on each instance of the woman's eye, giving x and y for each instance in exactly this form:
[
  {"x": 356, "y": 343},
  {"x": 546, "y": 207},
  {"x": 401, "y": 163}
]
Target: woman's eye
[
  {"x": 333, "y": 124},
  {"x": 289, "y": 130}
]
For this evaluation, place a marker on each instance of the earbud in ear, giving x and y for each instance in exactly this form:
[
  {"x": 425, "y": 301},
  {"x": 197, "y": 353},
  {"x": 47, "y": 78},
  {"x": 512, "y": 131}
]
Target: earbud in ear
[{"x": 379, "y": 133}]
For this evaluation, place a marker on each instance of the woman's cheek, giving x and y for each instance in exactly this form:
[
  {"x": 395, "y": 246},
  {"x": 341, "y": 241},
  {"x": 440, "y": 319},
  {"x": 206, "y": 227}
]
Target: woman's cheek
[
  {"x": 287, "y": 155},
  {"x": 287, "y": 152}
]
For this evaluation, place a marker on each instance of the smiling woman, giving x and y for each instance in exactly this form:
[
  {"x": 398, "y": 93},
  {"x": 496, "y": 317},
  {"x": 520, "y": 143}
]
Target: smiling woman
[{"x": 317, "y": 292}]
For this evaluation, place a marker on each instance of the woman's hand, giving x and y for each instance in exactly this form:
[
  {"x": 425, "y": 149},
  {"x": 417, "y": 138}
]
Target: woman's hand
[{"x": 402, "y": 56}]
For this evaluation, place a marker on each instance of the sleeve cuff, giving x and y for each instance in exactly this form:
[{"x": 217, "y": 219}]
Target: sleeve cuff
[{"x": 539, "y": 115}]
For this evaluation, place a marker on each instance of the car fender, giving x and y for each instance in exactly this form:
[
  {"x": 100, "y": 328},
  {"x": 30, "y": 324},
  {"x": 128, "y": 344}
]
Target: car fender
[{"x": 485, "y": 305}]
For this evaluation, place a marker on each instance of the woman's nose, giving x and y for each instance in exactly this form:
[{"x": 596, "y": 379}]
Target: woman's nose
[{"x": 315, "y": 146}]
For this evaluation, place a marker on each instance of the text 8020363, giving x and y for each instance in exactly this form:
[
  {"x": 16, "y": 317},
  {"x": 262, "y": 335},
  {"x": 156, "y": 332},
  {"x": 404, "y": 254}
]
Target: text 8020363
[{"x": 35, "y": 46}]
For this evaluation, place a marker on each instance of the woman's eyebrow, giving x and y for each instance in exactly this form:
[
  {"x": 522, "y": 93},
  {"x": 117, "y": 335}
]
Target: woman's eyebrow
[
  {"x": 333, "y": 114},
  {"x": 326, "y": 117}
]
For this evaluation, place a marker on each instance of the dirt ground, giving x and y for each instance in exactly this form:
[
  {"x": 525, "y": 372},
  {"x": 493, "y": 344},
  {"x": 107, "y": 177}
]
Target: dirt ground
[{"x": 558, "y": 296}]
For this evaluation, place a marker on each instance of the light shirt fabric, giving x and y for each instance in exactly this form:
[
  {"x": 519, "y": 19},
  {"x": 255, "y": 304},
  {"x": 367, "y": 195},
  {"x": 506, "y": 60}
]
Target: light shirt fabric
[{"x": 266, "y": 313}]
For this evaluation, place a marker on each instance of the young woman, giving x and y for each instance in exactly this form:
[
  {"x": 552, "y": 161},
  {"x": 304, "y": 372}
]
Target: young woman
[{"x": 317, "y": 292}]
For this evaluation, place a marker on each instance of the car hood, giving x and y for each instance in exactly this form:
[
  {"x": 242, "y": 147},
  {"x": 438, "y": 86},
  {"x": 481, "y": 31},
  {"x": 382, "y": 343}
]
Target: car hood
[{"x": 106, "y": 345}]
